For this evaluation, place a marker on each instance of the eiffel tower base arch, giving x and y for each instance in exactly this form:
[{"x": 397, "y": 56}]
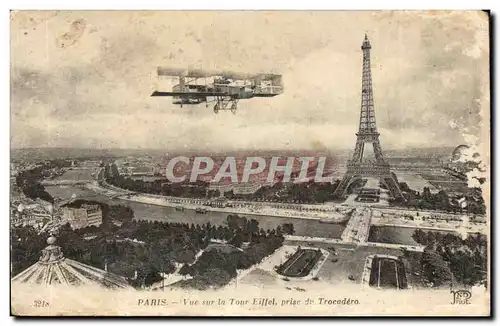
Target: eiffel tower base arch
[{"x": 389, "y": 180}]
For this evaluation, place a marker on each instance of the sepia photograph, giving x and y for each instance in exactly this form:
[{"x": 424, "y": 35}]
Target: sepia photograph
[{"x": 250, "y": 163}]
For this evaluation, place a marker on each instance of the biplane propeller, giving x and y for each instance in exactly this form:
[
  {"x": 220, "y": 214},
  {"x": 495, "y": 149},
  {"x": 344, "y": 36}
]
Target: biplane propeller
[{"x": 225, "y": 88}]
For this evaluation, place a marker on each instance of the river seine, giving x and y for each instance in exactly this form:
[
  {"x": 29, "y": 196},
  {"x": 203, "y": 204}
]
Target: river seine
[{"x": 147, "y": 212}]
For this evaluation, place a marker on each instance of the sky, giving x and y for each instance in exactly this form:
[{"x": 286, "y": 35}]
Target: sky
[{"x": 84, "y": 78}]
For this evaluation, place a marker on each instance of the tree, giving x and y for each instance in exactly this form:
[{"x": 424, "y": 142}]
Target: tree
[
  {"x": 435, "y": 269},
  {"x": 465, "y": 259},
  {"x": 442, "y": 200},
  {"x": 185, "y": 269},
  {"x": 184, "y": 255},
  {"x": 234, "y": 221},
  {"x": 120, "y": 213},
  {"x": 37, "y": 190},
  {"x": 229, "y": 194},
  {"x": 426, "y": 195},
  {"x": 252, "y": 228},
  {"x": 212, "y": 276},
  {"x": 420, "y": 237},
  {"x": 245, "y": 261},
  {"x": 237, "y": 240},
  {"x": 26, "y": 246},
  {"x": 151, "y": 278},
  {"x": 288, "y": 228}
]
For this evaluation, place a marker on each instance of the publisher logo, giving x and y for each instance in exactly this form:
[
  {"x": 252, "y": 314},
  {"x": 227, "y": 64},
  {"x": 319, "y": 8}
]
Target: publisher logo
[{"x": 461, "y": 297}]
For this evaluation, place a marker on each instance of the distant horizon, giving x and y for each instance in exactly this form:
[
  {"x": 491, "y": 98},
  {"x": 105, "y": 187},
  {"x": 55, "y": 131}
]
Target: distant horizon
[
  {"x": 387, "y": 148},
  {"x": 45, "y": 153}
]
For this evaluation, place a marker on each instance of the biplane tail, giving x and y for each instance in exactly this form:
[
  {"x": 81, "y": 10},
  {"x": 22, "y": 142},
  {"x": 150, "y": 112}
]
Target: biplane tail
[{"x": 267, "y": 85}]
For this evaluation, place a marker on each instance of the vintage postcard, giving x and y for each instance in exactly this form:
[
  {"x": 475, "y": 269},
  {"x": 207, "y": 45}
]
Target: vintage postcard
[{"x": 250, "y": 163}]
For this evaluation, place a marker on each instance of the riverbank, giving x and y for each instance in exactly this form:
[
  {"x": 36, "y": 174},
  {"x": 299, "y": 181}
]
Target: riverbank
[
  {"x": 432, "y": 225},
  {"x": 325, "y": 213},
  {"x": 227, "y": 210}
]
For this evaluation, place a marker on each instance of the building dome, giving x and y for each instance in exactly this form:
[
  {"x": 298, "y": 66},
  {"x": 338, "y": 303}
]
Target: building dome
[{"x": 54, "y": 268}]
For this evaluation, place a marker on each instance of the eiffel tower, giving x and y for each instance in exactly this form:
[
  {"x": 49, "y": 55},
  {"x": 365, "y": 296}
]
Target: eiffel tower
[{"x": 357, "y": 168}]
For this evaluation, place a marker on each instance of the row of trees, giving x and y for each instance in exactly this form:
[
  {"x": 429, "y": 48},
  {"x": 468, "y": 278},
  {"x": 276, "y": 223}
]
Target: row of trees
[
  {"x": 25, "y": 248},
  {"x": 305, "y": 192},
  {"x": 29, "y": 180},
  {"x": 449, "y": 258},
  {"x": 442, "y": 201},
  {"x": 198, "y": 189}
]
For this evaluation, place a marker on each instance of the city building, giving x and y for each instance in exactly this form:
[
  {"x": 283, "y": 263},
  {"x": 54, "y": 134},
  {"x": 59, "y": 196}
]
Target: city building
[
  {"x": 80, "y": 216},
  {"x": 31, "y": 213},
  {"x": 140, "y": 170},
  {"x": 90, "y": 163},
  {"x": 14, "y": 170},
  {"x": 218, "y": 202}
]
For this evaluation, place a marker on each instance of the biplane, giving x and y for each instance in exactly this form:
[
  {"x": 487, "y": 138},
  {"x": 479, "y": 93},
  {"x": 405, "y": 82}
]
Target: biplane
[{"x": 223, "y": 88}]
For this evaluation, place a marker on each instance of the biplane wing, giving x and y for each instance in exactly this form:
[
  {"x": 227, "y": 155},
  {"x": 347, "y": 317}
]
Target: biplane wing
[
  {"x": 199, "y": 73},
  {"x": 268, "y": 94},
  {"x": 191, "y": 73},
  {"x": 188, "y": 94}
]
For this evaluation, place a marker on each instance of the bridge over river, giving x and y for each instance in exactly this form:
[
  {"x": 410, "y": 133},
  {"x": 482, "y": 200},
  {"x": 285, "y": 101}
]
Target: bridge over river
[{"x": 65, "y": 182}]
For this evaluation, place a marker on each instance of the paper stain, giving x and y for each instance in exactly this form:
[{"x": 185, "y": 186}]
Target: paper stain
[
  {"x": 318, "y": 145},
  {"x": 70, "y": 38},
  {"x": 471, "y": 154}
]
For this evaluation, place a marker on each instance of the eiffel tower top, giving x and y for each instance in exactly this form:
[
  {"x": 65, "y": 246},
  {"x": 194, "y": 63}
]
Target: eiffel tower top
[
  {"x": 367, "y": 123},
  {"x": 366, "y": 43}
]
